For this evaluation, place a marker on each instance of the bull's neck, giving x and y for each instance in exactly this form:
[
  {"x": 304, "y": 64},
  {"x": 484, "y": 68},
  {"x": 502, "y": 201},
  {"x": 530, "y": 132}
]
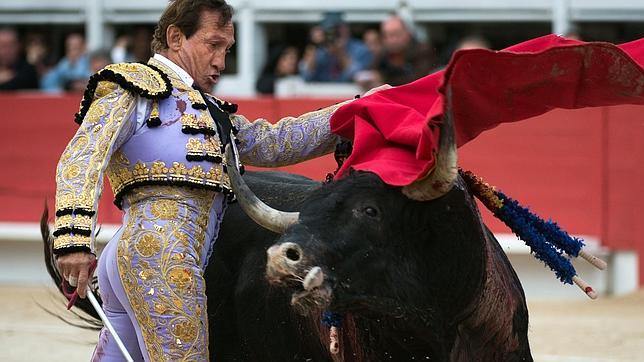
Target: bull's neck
[{"x": 493, "y": 329}]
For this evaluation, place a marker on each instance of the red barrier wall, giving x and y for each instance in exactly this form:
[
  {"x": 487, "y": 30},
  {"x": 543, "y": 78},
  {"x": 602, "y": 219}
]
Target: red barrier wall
[{"x": 582, "y": 168}]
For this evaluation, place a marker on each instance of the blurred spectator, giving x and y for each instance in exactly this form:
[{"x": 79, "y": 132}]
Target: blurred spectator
[
  {"x": 573, "y": 33},
  {"x": 316, "y": 36},
  {"x": 120, "y": 52},
  {"x": 404, "y": 59},
  {"x": 371, "y": 39},
  {"x": 472, "y": 42},
  {"x": 72, "y": 68},
  {"x": 37, "y": 53},
  {"x": 97, "y": 61},
  {"x": 282, "y": 62},
  {"x": 340, "y": 56},
  {"x": 134, "y": 47},
  {"x": 15, "y": 71}
]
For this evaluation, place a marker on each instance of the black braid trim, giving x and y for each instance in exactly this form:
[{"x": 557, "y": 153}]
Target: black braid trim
[
  {"x": 209, "y": 158},
  {"x": 226, "y": 106},
  {"x": 118, "y": 198},
  {"x": 201, "y": 130},
  {"x": 109, "y": 75},
  {"x": 153, "y": 122},
  {"x": 72, "y": 249},
  {"x": 72, "y": 211},
  {"x": 72, "y": 230},
  {"x": 200, "y": 106}
]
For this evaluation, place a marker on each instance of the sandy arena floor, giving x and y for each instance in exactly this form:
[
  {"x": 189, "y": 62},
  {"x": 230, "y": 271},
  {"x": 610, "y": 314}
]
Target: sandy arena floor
[{"x": 609, "y": 329}]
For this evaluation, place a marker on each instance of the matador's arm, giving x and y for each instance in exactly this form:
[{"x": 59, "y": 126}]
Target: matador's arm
[
  {"x": 106, "y": 123},
  {"x": 289, "y": 141}
]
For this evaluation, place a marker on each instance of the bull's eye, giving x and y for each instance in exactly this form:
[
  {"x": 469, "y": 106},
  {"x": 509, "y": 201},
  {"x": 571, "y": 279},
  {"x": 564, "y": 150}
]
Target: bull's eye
[{"x": 370, "y": 211}]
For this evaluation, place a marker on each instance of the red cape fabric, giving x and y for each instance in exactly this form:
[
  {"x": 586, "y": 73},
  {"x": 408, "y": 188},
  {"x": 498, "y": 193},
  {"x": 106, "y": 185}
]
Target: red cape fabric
[{"x": 395, "y": 131}]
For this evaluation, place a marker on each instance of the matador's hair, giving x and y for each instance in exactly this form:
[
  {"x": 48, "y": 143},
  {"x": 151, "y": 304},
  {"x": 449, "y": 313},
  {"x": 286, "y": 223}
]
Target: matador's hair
[{"x": 186, "y": 15}]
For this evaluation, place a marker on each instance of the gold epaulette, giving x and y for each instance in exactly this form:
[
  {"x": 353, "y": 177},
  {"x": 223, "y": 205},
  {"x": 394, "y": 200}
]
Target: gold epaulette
[{"x": 141, "y": 79}]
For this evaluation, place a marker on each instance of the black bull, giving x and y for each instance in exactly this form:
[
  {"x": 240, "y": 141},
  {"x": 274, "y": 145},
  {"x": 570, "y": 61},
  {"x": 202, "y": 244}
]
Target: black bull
[{"x": 413, "y": 280}]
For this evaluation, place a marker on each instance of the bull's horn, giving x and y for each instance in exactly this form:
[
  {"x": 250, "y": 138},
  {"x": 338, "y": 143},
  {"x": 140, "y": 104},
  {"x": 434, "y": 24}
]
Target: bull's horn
[
  {"x": 441, "y": 178},
  {"x": 264, "y": 215}
]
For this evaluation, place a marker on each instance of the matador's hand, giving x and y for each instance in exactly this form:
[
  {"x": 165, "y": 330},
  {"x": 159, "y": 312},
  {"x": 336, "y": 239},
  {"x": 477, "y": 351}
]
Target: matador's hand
[{"x": 75, "y": 268}]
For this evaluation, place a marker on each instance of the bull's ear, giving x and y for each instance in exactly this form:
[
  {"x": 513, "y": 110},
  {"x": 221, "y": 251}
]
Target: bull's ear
[{"x": 441, "y": 178}]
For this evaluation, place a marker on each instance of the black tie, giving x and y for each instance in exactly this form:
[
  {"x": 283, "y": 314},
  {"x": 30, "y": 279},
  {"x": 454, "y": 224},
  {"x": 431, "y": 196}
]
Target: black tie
[{"x": 220, "y": 117}]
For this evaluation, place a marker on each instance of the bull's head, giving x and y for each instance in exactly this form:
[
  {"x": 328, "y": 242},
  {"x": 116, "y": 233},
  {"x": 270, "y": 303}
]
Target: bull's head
[{"x": 357, "y": 239}]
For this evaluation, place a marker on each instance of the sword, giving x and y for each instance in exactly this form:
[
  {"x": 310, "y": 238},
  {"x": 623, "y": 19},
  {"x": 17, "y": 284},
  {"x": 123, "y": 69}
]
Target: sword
[{"x": 99, "y": 310}]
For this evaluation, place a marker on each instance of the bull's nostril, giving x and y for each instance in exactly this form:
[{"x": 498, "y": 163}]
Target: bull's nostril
[{"x": 293, "y": 254}]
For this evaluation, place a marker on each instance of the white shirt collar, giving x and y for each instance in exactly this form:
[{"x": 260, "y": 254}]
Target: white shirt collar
[{"x": 185, "y": 77}]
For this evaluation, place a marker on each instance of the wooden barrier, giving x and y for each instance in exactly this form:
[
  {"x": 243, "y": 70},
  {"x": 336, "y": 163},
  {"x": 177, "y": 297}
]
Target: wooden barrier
[{"x": 583, "y": 168}]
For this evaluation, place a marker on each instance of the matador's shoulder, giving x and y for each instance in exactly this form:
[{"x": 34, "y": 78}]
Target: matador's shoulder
[{"x": 140, "y": 79}]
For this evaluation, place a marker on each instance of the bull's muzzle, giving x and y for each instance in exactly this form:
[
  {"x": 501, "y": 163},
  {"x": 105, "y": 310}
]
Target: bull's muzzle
[
  {"x": 283, "y": 260},
  {"x": 287, "y": 265}
]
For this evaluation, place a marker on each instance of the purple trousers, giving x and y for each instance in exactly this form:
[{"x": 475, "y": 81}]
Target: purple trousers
[{"x": 150, "y": 275}]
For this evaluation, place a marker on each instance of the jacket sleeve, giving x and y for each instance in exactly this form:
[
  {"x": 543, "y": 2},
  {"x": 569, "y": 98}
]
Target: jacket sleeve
[
  {"x": 79, "y": 175},
  {"x": 289, "y": 141}
]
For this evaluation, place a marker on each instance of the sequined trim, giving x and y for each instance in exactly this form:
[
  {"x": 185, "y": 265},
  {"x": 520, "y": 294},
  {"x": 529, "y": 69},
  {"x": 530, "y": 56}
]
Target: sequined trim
[
  {"x": 68, "y": 240},
  {"x": 154, "y": 120},
  {"x": 159, "y": 265},
  {"x": 73, "y": 221},
  {"x": 194, "y": 124},
  {"x": 208, "y": 150},
  {"x": 123, "y": 179}
]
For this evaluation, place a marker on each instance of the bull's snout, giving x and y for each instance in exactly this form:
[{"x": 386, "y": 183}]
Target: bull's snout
[
  {"x": 290, "y": 253},
  {"x": 283, "y": 260}
]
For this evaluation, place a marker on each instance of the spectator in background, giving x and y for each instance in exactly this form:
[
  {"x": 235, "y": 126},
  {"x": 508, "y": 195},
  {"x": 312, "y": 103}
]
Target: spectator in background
[
  {"x": 316, "y": 36},
  {"x": 340, "y": 56},
  {"x": 472, "y": 41},
  {"x": 403, "y": 58},
  {"x": 74, "y": 67},
  {"x": 134, "y": 47},
  {"x": 282, "y": 62},
  {"x": 97, "y": 61},
  {"x": 371, "y": 39},
  {"x": 15, "y": 72},
  {"x": 37, "y": 53}
]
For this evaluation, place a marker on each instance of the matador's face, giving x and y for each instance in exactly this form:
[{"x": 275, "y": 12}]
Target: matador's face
[{"x": 203, "y": 55}]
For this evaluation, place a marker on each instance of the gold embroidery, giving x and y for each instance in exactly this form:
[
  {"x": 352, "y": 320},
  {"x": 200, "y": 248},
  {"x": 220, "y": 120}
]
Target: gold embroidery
[
  {"x": 195, "y": 97},
  {"x": 175, "y": 80},
  {"x": 166, "y": 289},
  {"x": 141, "y": 76},
  {"x": 104, "y": 88},
  {"x": 165, "y": 209},
  {"x": 148, "y": 245},
  {"x": 181, "y": 278},
  {"x": 71, "y": 171},
  {"x": 155, "y": 109},
  {"x": 185, "y": 331}
]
